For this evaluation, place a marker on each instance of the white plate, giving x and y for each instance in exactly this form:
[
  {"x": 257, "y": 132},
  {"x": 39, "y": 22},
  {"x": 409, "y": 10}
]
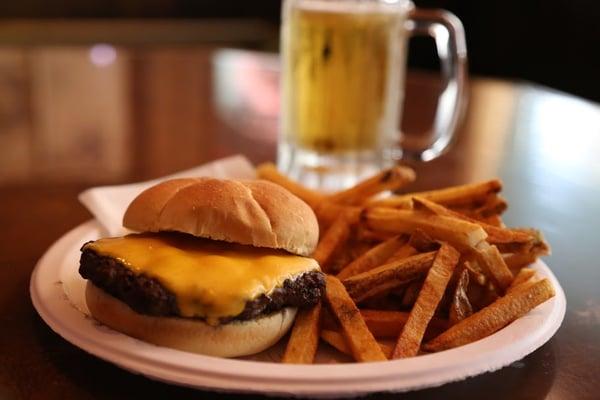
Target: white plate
[{"x": 56, "y": 292}]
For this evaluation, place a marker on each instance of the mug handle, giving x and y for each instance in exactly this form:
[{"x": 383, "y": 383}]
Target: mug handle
[{"x": 449, "y": 36}]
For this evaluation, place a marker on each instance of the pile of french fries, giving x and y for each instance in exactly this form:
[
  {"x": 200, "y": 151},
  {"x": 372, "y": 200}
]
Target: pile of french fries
[{"x": 414, "y": 273}]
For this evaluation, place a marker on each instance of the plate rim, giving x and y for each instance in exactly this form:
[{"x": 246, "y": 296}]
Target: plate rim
[{"x": 308, "y": 380}]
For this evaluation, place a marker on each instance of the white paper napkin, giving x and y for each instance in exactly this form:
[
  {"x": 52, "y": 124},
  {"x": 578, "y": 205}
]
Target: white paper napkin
[{"x": 108, "y": 203}]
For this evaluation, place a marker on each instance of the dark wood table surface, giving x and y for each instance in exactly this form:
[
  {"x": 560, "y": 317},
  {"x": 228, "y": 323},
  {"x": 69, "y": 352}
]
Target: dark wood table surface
[{"x": 74, "y": 117}]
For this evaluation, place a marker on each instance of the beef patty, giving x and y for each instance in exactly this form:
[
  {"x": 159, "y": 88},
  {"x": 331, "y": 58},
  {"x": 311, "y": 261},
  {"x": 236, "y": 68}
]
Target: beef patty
[{"x": 148, "y": 296}]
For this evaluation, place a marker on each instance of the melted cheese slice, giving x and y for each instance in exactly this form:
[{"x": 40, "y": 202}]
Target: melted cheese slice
[{"x": 210, "y": 279}]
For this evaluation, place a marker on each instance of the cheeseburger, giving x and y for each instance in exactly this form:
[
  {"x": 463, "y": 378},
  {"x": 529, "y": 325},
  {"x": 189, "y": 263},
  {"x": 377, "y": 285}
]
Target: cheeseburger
[{"x": 219, "y": 267}]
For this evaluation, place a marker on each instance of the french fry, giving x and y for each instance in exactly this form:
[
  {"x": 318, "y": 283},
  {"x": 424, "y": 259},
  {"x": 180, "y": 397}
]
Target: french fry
[
  {"x": 327, "y": 212},
  {"x": 457, "y": 196},
  {"x": 348, "y": 252},
  {"x": 368, "y": 235},
  {"x": 422, "y": 242},
  {"x": 384, "y": 301},
  {"x": 460, "y": 306},
  {"x": 304, "y": 339},
  {"x": 389, "y": 179},
  {"x": 403, "y": 252},
  {"x": 493, "y": 262},
  {"x": 373, "y": 258},
  {"x": 269, "y": 172},
  {"x": 493, "y": 220},
  {"x": 523, "y": 276},
  {"x": 334, "y": 237},
  {"x": 528, "y": 255},
  {"x": 388, "y": 324},
  {"x": 538, "y": 246},
  {"x": 341, "y": 257},
  {"x": 493, "y": 317},
  {"x": 516, "y": 261},
  {"x": 456, "y": 231},
  {"x": 490, "y": 295},
  {"x": 495, "y": 235},
  {"x": 337, "y": 341},
  {"x": 411, "y": 293},
  {"x": 328, "y": 321},
  {"x": 357, "y": 248},
  {"x": 362, "y": 343},
  {"x": 409, "y": 341},
  {"x": 482, "y": 296},
  {"x": 475, "y": 272},
  {"x": 387, "y": 255},
  {"x": 493, "y": 205},
  {"x": 384, "y": 323},
  {"x": 388, "y": 276}
]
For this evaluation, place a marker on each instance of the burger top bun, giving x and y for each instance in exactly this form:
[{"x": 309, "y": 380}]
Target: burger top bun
[{"x": 251, "y": 212}]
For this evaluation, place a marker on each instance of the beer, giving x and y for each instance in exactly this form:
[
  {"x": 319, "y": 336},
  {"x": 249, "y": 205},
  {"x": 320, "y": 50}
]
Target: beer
[{"x": 342, "y": 82}]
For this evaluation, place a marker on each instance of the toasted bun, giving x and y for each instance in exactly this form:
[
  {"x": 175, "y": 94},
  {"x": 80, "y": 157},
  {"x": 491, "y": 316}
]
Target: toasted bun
[
  {"x": 234, "y": 339},
  {"x": 257, "y": 213}
]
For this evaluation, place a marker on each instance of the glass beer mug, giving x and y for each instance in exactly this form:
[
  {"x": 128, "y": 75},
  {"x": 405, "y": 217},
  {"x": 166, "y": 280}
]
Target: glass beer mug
[{"x": 343, "y": 67}]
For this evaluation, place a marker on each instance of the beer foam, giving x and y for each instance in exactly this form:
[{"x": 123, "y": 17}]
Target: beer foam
[{"x": 354, "y": 6}]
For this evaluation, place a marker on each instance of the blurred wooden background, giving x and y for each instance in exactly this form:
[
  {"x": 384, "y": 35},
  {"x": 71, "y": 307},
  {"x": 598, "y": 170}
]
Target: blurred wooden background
[
  {"x": 552, "y": 42},
  {"x": 106, "y": 79}
]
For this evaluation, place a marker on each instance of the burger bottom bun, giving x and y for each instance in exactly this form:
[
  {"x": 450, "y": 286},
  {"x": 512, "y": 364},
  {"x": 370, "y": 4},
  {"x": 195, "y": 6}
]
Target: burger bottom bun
[{"x": 234, "y": 339}]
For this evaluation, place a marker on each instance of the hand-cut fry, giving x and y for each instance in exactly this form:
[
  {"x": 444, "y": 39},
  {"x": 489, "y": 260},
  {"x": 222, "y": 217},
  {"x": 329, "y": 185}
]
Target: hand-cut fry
[
  {"x": 403, "y": 252},
  {"x": 337, "y": 340},
  {"x": 494, "y": 317},
  {"x": 537, "y": 245},
  {"x": 387, "y": 300},
  {"x": 493, "y": 205},
  {"x": 333, "y": 238},
  {"x": 475, "y": 272},
  {"x": 384, "y": 323},
  {"x": 388, "y": 276},
  {"x": 422, "y": 241},
  {"x": 525, "y": 275},
  {"x": 341, "y": 257},
  {"x": 493, "y": 220},
  {"x": 490, "y": 295},
  {"x": 528, "y": 255},
  {"x": 410, "y": 295},
  {"x": 460, "y": 306},
  {"x": 388, "y": 324},
  {"x": 268, "y": 171},
  {"x": 398, "y": 253},
  {"x": 348, "y": 252},
  {"x": 304, "y": 339},
  {"x": 359, "y": 338},
  {"x": 464, "y": 195},
  {"x": 495, "y": 235},
  {"x": 507, "y": 238},
  {"x": 327, "y": 212},
  {"x": 516, "y": 261},
  {"x": 389, "y": 179},
  {"x": 368, "y": 235},
  {"x": 491, "y": 260},
  {"x": 357, "y": 248},
  {"x": 373, "y": 258},
  {"x": 328, "y": 321},
  {"x": 482, "y": 296},
  {"x": 457, "y": 232},
  {"x": 437, "y": 279}
]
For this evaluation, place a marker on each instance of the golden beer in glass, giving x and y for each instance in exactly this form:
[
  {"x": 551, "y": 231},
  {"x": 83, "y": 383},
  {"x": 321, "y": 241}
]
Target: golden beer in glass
[
  {"x": 343, "y": 71},
  {"x": 341, "y": 77}
]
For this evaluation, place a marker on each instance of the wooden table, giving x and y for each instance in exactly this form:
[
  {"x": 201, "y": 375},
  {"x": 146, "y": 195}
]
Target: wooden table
[{"x": 75, "y": 117}]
